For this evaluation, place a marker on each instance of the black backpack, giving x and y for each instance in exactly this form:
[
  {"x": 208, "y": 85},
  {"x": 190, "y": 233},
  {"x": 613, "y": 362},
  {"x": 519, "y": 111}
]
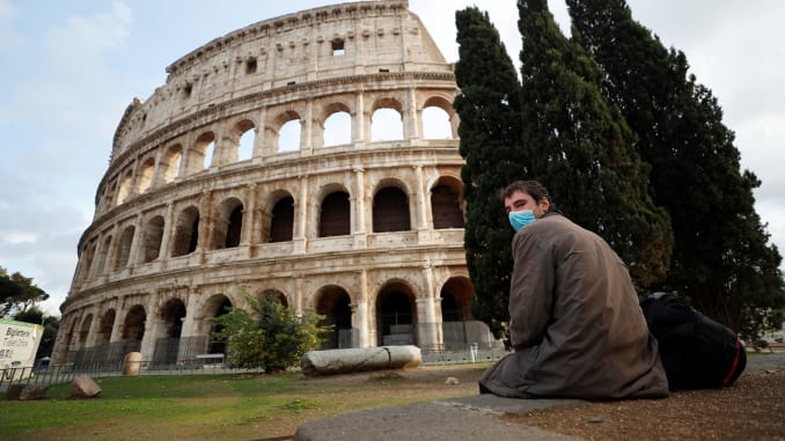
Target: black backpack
[{"x": 696, "y": 351}]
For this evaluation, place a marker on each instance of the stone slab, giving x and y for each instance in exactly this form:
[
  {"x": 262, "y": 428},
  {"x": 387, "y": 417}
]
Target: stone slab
[{"x": 469, "y": 418}]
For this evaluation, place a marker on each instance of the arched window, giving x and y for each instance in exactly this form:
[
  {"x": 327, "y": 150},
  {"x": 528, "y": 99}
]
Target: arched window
[
  {"x": 436, "y": 123},
  {"x": 133, "y": 327},
  {"x": 186, "y": 234},
  {"x": 103, "y": 253},
  {"x": 84, "y": 331},
  {"x": 229, "y": 225},
  {"x": 289, "y": 136},
  {"x": 245, "y": 129},
  {"x": 334, "y": 305},
  {"x": 105, "y": 328},
  {"x": 446, "y": 205},
  {"x": 124, "y": 248},
  {"x": 245, "y": 149},
  {"x": 395, "y": 315},
  {"x": 386, "y": 125},
  {"x": 153, "y": 235},
  {"x": 200, "y": 155},
  {"x": 171, "y": 163},
  {"x": 215, "y": 307},
  {"x": 125, "y": 189},
  {"x": 335, "y": 215},
  {"x": 282, "y": 221},
  {"x": 146, "y": 176},
  {"x": 86, "y": 261},
  {"x": 390, "y": 210},
  {"x": 167, "y": 346},
  {"x": 338, "y": 129}
]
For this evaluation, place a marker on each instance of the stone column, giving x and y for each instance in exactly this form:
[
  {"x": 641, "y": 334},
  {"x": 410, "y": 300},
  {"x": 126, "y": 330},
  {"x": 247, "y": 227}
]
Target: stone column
[
  {"x": 298, "y": 294},
  {"x": 301, "y": 218},
  {"x": 411, "y": 126},
  {"x": 426, "y": 311},
  {"x": 166, "y": 237},
  {"x": 260, "y": 138},
  {"x": 191, "y": 322},
  {"x": 248, "y": 234},
  {"x": 360, "y": 313},
  {"x": 306, "y": 134},
  {"x": 151, "y": 326},
  {"x": 360, "y": 228},
  {"x": 206, "y": 221},
  {"x": 119, "y": 319},
  {"x": 422, "y": 203},
  {"x": 93, "y": 331},
  {"x": 133, "y": 255},
  {"x": 361, "y": 122}
]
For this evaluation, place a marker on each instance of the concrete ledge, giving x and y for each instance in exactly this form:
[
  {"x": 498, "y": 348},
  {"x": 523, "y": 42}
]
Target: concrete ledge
[{"x": 469, "y": 418}]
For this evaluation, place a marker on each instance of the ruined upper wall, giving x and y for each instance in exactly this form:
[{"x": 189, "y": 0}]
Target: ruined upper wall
[{"x": 330, "y": 42}]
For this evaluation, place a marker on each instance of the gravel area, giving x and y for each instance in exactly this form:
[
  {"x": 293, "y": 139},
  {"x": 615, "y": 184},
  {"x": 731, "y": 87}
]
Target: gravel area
[{"x": 752, "y": 409}]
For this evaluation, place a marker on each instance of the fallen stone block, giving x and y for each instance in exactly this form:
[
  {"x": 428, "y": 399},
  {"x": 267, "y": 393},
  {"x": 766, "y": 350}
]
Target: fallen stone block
[
  {"x": 33, "y": 392},
  {"x": 344, "y": 361},
  {"x": 85, "y": 387}
]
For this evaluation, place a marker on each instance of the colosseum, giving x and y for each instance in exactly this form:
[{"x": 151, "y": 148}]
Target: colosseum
[{"x": 314, "y": 156}]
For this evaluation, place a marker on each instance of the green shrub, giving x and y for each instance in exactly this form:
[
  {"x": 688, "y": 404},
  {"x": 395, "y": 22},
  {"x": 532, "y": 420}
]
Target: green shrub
[{"x": 270, "y": 336}]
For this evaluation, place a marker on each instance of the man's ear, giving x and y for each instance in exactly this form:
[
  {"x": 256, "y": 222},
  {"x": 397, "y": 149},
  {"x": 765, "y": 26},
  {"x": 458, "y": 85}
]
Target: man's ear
[{"x": 545, "y": 204}]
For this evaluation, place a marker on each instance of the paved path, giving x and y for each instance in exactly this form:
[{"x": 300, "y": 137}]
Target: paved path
[{"x": 469, "y": 418}]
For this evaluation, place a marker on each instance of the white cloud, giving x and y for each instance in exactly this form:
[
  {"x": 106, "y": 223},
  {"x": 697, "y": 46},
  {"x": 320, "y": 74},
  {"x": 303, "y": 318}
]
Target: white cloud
[{"x": 17, "y": 237}]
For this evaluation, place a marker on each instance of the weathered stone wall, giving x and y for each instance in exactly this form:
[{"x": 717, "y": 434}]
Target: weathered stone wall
[{"x": 177, "y": 239}]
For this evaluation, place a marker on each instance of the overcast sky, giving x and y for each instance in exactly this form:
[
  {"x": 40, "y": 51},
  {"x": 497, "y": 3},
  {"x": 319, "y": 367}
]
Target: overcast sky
[{"x": 68, "y": 69}]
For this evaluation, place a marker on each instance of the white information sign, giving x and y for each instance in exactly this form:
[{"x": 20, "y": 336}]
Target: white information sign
[{"x": 18, "y": 344}]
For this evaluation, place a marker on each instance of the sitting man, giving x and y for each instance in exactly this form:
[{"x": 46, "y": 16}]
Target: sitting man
[{"x": 575, "y": 322}]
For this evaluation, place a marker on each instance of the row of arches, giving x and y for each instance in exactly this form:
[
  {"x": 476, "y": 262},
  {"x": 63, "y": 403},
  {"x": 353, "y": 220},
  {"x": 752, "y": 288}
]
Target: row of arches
[
  {"x": 286, "y": 132},
  {"x": 390, "y": 210},
  {"x": 394, "y": 311}
]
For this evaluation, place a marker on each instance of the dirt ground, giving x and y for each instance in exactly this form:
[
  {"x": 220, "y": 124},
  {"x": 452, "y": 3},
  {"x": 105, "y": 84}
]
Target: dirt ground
[{"x": 752, "y": 409}]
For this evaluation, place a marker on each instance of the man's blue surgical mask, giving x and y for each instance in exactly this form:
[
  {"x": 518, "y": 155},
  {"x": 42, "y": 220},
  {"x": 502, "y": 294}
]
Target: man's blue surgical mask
[{"x": 519, "y": 219}]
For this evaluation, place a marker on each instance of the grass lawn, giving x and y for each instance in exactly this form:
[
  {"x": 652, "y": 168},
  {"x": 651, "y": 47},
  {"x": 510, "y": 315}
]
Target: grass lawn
[{"x": 250, "y": 407}]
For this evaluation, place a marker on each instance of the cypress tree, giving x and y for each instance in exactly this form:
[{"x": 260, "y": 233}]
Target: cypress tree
[
  {"x": 489, "y": 108},
  {"x": 721, "y": 259},
  {"x": 581, "y": 148}
]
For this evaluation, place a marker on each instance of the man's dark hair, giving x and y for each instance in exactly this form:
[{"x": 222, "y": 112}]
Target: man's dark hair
[{"x": 533, "y": 188}]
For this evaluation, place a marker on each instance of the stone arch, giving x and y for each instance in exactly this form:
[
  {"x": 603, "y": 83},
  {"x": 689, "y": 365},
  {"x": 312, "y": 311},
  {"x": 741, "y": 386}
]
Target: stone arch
[
  {"x": 334, "y": 303},
  {"x": 281, "y": 221},
  {"x": 71, "y": 338},
  {"x": 228, "y": 226},
  {"x": 438, "y": 118},
  {"x": 87, "y": 261},
  {"x": 396, "y": 314},
  {"x": 134, "y": 323},
  {"x": 124, "y": 191},
  {"x": 103, "y": 254},
  {"x": 170, "y": 165},
  {"x": 152, "y": 239},
  {"x": 337, "y": 125},
  {"x": 335, "y": 214},
  {"x": 456, "y": 299},
  {"x": 84, "y": 330},
  {"x": 391, "y": 208},
  {"x": 145, "y": 180},
  {"x": 201, "y": 153},
  {"x": 446, "y": 205},
  {"x": 171, "y": 316},
  {"x": 124, "y": 248},
  {"x": 288, "y": 132},
  {"x": 275, "y": 293},
  {"x": 243, "y": 137},
  {"x": 105, "y": 326},
  {"x": 186, "y": 233},
  {"x": 215, "y": 306},
  {"x": 387, "y": 120}
]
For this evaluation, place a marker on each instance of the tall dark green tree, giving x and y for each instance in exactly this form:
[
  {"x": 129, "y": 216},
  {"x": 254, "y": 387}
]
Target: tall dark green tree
[
  {"x": 489, "y": 106},
  {"x": 581, "y": 148},
  {"x": 721, "y": 259},
  {"x": 18, "y": 293}
]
